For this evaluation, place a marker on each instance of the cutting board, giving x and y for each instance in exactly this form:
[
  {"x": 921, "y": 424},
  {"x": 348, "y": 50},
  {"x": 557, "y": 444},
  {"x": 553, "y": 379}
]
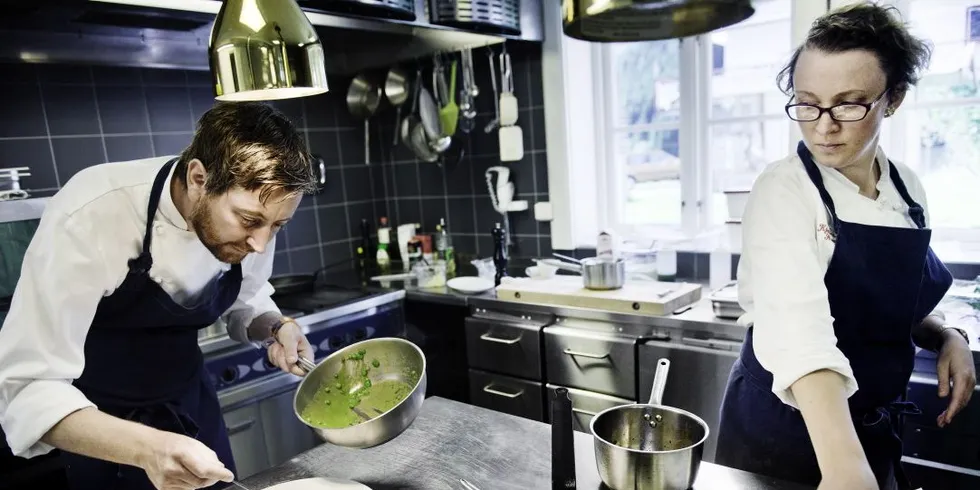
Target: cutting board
[{"x": 647, "y": 298}]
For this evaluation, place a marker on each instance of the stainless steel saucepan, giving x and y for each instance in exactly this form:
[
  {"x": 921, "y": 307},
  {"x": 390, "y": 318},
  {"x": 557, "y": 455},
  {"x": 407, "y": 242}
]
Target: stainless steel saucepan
[
  {"x": 600, "y": 274},
  {"x": 649, "y": 446}
]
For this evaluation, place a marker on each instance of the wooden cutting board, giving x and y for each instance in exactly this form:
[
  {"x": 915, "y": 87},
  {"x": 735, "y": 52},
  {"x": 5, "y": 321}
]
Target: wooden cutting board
[{"x": 647, "y": 298}]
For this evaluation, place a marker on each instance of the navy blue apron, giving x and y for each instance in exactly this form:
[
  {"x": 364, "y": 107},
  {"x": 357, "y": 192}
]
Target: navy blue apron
[
  {"x": 881, "y": 282},
  {"x": 142, "y": 363}
]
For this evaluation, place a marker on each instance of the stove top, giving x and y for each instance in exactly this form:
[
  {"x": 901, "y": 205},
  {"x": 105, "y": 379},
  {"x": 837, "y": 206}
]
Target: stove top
[{"x": 322, "y": 298}]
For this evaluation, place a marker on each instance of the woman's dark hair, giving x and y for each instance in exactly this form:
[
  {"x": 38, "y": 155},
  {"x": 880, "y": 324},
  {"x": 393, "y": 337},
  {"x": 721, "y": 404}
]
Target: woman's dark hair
[{"x": 869, "y": 27}]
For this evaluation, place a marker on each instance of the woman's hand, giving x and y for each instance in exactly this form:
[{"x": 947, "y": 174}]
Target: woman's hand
[
  {"x": 290, "y": 343},
  {"x": 955, "y": 365}
]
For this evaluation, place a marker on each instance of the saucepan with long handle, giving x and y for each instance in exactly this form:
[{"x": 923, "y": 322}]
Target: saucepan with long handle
[{"x": 649, "y": 446}]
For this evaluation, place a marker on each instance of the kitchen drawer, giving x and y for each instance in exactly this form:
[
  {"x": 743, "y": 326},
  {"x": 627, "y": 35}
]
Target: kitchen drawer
[
  {"x": 507, "y": 394},
  {"x": 696, "y": 381},
  {"x": 923, "y": 389},
  {"x": 506, "y": 347},
  {"x": 939, "y": 446},
  {"x": 585, "y": 405},
  {"x": 247, "y": 438},
  {"x": 590, "y": 360},
  {"x": 286, "y": 436}
]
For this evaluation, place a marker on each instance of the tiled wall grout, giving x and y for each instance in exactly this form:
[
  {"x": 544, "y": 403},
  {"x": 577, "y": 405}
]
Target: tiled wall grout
[
  {"x": 47, "y": 131},
  {"x": 129, "y": 117},
  {"x": 98, "y": 114}
]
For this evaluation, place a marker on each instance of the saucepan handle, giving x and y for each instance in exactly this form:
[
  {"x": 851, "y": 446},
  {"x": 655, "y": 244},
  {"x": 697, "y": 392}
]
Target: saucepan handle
[
  {"x": 659, "y": 382},
  {"x": 306, "y": 364}
]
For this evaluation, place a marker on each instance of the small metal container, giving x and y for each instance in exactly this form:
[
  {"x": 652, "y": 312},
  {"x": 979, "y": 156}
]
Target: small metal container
[{"x": 603, "y": 274}]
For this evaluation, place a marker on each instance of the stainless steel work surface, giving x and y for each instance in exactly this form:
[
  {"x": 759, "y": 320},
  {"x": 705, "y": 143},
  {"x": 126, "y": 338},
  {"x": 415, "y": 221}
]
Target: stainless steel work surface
[{"x": 451, "y": 440}]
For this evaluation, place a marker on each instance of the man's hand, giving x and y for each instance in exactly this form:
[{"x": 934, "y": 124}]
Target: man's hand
[
  {"x": 955, "y": 365},
  {"x": 179, "y": 462},
  {"x": 290, "y": 343}
]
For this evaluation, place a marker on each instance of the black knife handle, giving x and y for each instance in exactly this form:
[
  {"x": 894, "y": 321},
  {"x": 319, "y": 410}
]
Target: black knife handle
[{"x": 562, "y": 442}]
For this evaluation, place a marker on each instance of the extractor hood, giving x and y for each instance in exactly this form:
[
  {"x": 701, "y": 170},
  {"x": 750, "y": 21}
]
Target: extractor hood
[
  {"x": 649, "y": 20},
  {"x": 175, "y": 33}
]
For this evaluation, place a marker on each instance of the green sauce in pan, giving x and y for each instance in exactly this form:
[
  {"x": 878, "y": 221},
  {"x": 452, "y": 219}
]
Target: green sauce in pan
[{"x": 353, "y": 387}]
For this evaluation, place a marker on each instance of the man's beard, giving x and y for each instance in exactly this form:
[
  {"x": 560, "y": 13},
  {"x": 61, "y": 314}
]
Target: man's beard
[{"x": 203, "y": 224}]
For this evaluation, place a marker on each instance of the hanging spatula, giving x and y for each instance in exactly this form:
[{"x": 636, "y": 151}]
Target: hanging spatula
[{"x": 449, "y": 113}]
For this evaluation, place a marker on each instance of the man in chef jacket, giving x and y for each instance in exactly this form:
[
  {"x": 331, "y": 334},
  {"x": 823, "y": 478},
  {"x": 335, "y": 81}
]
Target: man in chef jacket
[{"x": 99, "y": 354}]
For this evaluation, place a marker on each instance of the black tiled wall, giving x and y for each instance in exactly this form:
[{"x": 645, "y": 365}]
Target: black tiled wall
[
  {"x": 408, "y": 190},
  {"x": 59, "y": 119}
]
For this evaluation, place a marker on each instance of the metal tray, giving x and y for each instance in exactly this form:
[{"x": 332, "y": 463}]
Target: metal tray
[
  {"x": 396, "y": 9},
  {"x": 497, "y": 14},
  {"x": 724, "y": 302},
  {"x": 726, "y": 309}
]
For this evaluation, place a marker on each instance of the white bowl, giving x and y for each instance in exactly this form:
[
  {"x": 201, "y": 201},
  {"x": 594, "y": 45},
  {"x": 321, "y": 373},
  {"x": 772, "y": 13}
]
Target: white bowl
[{"x": 541, "y": 271}]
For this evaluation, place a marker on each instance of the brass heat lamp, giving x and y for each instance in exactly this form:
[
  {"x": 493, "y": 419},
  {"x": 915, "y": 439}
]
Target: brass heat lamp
[{"x": 265, "y": 50}]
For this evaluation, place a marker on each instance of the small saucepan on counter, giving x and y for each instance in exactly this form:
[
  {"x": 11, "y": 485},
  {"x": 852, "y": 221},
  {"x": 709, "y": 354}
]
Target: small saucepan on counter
[
  {"x": 600, "y": 274},
  {"x": 649, "y": 446}
]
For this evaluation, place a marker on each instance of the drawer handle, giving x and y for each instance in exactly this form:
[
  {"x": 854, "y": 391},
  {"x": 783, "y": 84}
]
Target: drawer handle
[
  {"x": 585, "y": 354},
  {"x": 241, "y": 427},
  {"x": 584, "y": 412},
  {"x": 488, "y": 388},
  {"x": 491, "y": 338}
]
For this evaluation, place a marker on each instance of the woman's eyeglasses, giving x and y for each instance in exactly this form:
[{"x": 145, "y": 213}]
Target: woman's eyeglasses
[{"x": 846, "y": 112}]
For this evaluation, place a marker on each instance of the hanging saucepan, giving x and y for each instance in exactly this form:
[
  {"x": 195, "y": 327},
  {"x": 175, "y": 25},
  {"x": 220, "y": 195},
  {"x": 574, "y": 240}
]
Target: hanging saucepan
[
  {"x": 649, "y": 446},
  {"x": 363, "y": 99},
  {"x": 429, "y": 113},
  {"x": 396, "y": 91}
]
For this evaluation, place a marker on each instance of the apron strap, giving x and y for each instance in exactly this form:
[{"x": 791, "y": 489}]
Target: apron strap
[
  {"x": 916, "y": 212},
  {"x": 817, "y": 179},
  {"x": 144, "y": 261}
]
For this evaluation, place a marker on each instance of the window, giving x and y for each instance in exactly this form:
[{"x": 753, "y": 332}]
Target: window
[
  {"x": 747, "y": 126},
  {"x": 652, "y": 112},
  {"x": 643, "y": 115},
  {"x": 936, "y": 132}
]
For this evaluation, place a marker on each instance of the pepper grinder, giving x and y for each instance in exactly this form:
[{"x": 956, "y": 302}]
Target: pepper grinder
[
  {"x": 499, "y": 252},
  {"x": 562, "y": 441}
]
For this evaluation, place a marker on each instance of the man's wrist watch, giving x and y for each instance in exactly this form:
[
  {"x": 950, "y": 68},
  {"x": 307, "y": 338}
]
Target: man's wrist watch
[
  {"x": 274, "y": 332},
  {"x": 944, "y": 328}
]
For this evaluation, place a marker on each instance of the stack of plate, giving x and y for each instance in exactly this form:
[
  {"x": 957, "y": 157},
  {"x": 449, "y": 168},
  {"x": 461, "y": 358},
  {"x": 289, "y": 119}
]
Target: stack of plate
[{"x": 724, "y": 302}]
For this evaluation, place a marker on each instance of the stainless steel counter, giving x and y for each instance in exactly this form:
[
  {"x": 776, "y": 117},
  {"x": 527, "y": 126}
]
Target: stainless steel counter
[
  {"x": 451, "y": 440},
  {"x": 696, "y": 320}
]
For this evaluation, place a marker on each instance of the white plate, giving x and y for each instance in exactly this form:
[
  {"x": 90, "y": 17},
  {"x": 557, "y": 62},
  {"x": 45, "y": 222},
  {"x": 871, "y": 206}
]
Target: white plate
[
  {"x": 470, "y": 284},
  {"x": 319, "y": 484}
]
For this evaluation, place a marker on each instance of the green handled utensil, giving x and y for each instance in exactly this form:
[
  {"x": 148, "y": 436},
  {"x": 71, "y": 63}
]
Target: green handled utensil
[{"x": 449, "y": 114}]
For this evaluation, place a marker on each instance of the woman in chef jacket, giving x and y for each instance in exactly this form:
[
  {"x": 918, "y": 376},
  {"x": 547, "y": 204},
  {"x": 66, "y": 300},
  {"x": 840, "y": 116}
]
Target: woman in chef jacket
[{"x": 837, "y": 277}]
